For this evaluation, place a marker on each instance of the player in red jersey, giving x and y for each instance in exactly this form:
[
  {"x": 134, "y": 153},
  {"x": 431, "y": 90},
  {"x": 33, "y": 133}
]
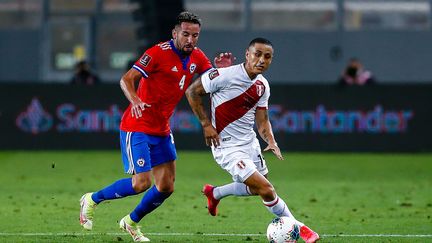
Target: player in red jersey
[{"x": 164, "y": 71}]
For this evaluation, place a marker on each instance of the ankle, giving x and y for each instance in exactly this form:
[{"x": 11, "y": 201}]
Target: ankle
[{"x": 129, "y": 221}]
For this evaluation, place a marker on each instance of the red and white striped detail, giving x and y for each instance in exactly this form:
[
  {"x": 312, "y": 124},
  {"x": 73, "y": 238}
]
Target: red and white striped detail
[
  {"x": 272, "y": 203},
  {"x": 241, "y": 164},
  {"x": 237, "y": 107}
]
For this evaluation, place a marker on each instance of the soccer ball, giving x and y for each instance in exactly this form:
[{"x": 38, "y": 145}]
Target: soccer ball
[{"x": 283, "y": 229}]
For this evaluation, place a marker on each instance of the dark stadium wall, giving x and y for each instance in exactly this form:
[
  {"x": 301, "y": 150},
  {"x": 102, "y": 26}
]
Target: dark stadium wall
[
  {"x": 381, "y": 118},
  {"x": 300, "y": 57},
  {"x": 20, "y": 55},
  {"x": 319, "y": 57}
]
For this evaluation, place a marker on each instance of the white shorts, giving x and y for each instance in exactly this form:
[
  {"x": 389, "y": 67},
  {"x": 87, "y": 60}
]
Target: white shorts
[{"x": 241, "y": 161}]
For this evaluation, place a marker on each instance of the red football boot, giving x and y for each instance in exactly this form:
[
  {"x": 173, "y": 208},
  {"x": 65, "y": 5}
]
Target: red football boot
[
  {"x": 211, "y": 201},
  {"x": 308, "y": 235}
]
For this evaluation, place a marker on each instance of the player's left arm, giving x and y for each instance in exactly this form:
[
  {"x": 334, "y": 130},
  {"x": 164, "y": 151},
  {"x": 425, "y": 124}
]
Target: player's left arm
[{"x": 265, "y": 130}]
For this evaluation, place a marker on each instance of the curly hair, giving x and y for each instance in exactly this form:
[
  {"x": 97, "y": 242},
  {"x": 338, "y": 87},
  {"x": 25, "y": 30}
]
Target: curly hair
[{"x": 188, "y": 17}]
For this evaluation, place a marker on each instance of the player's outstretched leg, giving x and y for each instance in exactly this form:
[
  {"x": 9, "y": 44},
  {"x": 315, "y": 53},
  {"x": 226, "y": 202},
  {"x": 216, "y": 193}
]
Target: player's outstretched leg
[
  {"x": 308, "y": 235},
  {"x": 276, "y": 205},
  {"x": 133, "y": 229},
  {"x": 119, "y": 189},
  {"x": 215, "y": 193},
  {"x": 279, "y": 208},
  {"x": 231, "y": 189},
  {"x": 151, "y": 200},
  {"x": 212, "y": 202},
  {"x": 87, "y": 211}
]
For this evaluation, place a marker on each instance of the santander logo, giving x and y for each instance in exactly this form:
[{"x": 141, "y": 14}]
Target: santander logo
[{"x": 35, "y": 119}]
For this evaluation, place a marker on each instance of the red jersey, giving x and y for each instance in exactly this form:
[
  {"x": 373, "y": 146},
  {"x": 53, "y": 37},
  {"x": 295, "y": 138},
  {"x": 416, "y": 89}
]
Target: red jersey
[{"x": 166, "y": 76}]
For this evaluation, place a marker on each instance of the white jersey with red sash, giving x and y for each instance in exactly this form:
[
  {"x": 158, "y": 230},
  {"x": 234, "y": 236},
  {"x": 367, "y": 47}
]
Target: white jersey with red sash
[{"x": 234, "y": 101}]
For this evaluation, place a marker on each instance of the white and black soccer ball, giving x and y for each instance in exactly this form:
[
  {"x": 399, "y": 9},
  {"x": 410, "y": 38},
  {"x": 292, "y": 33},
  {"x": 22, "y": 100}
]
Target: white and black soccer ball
[{"x": 283, "y": 229}]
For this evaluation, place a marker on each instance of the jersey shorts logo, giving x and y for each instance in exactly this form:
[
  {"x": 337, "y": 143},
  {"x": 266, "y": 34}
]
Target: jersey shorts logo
[
  {"x": 213, "y": 74},
  {"x": 241, "y": 164},
  {"x": 141, "y": 162},
  {"x": 260, "y": 89},
  {"x": 174, "y": 69},
  {"x": 192, "y": 67},
  {"x": 145, "y": 60}
]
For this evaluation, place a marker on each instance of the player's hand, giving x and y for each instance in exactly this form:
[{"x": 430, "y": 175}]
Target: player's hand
[
  {"x": 224, "y": 59},
  {"x": 275, "y": 149},
  {"x": 137, "y": 109},
  {"x": 211, "y": 136}
]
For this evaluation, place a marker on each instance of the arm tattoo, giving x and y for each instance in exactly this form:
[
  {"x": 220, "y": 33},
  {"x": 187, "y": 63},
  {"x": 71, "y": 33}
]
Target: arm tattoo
[{"x": 193, "y": 95}]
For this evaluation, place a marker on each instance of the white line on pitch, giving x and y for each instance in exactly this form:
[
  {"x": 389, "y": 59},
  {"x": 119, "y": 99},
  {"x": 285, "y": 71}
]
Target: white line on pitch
[
  {"x": 381, "y": 235},
  {"x": 208, "y": 234}
]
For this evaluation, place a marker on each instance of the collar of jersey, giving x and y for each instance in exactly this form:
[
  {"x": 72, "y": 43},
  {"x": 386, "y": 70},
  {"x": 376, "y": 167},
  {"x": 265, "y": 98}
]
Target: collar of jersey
[
  {"x": 245, "y": 72},
  {"x": 183, "y": 60}
]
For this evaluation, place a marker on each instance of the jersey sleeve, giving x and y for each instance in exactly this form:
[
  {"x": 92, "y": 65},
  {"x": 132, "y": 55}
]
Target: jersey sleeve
[
  {"x": 204, "y": 63},
  {"x": 147, "y": 63},
  {"x": 213, "y": 80},
  {"x": 263, "y": 101}
]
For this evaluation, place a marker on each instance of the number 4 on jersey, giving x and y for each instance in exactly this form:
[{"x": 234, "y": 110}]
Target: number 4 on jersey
[{"x": 182, "y": 81}]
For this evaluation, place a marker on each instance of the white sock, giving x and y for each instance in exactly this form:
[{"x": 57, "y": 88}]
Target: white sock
[
  {"x": 278, "y": 207},
  {"x": 235, "y": 188}
]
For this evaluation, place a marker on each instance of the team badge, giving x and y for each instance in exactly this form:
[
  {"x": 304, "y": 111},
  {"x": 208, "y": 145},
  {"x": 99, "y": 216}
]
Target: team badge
[
  {"x": 141, "y": 162},
  {"x": 192, "y": 67},
  {"x": 145, "y": 60},
  {"x": 213, "y": 74},
  {"x": 241, "y": 165},
  {"x": 260, "y": 89}
]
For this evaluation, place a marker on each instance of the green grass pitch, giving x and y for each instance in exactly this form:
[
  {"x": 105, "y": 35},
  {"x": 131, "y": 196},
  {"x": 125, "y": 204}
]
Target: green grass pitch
[{"x": 344, "y": 197}]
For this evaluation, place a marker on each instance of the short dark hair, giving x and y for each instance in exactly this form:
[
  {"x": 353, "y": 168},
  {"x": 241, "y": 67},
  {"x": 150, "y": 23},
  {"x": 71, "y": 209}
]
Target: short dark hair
[
  {"x": 188, "y": 17},
  {"x": 261, "y": 41}
]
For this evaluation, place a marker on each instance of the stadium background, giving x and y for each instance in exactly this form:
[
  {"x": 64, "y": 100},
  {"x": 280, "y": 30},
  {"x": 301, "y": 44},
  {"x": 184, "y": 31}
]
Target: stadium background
[
  {"x": 357, "y": 162},
  {"x": 41, "y": 40}
]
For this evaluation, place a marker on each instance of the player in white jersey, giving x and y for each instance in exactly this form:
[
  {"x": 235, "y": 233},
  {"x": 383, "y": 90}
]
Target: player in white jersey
[{"x": 239, "y": 99}]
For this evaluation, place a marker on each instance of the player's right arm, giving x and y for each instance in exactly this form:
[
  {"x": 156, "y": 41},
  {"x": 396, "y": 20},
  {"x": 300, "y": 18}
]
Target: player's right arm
[
  {"x": 127, "y": 84},
  {"x": 194, "y": 95}
]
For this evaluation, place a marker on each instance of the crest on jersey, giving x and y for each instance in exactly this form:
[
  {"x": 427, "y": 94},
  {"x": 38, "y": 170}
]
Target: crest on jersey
[
  {"x": 141, "y": 162},
  {"x": 213, "y": 74},
  {"x": 241, "y": 164},
  {"x": 192, "y": 67},
  {"x": 145, "y": 60},
  {"x": 260, "y": 89}
]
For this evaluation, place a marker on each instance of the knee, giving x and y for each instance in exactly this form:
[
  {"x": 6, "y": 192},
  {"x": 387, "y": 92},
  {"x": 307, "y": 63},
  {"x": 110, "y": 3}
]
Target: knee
[
  {"x": 166, "y": 187},
  {"x": 267, "y": 192},
  {"x": 141, "y": 184}
]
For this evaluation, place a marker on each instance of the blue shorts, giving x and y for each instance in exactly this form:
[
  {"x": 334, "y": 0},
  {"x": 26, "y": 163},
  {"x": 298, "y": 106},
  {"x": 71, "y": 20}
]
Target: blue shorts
[{"x": 141, "y": 152}]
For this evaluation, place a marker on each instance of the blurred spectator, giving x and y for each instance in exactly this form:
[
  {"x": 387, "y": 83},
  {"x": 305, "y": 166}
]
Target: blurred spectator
[
  {"x": 83, "y": 75},
  {"x": 355, "y": 74}
]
